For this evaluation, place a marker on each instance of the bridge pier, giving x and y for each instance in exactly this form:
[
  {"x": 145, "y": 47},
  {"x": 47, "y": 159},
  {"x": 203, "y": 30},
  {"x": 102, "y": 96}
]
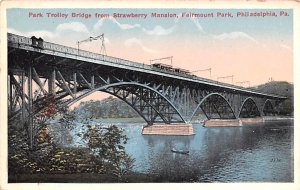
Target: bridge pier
[
  {"x": 168, "y": 129},
  {"x": 232, "y": 122},
  {"x": 222, "y": 123},
  {"x": 252, "y": 120}
]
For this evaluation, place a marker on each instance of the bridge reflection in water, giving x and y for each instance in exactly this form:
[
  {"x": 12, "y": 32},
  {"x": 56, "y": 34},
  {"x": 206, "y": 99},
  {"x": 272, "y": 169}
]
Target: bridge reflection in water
[{"x": 41, "y": 74}]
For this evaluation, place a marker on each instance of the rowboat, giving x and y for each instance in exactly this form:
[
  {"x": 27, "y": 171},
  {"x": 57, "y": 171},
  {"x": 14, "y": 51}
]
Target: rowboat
[{"x": 180, "y": 151}]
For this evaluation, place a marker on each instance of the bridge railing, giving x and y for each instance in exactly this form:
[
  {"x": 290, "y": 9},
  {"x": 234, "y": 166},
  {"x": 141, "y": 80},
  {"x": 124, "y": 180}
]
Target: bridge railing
[
  {"x": 18, "y": 39},
  {"x": 91, "y": 55},
  {"x": 77, "y": 52}
]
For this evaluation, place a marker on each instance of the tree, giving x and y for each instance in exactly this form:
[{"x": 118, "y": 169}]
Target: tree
[{"x": 107, "y": 143}]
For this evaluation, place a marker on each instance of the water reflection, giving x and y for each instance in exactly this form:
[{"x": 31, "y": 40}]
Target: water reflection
[{"x": 248, "y": 153}]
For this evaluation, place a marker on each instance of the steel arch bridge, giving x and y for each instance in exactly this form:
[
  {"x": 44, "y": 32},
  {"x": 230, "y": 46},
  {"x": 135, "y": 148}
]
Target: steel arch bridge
[{"x": 39, "y": 71}]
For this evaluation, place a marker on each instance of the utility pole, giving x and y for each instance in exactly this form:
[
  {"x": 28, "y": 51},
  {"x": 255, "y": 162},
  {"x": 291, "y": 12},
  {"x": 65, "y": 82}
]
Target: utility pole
[
  {"x": 202, "y": 70},
  {"x": 169, "y": 58},
  {"x": 231, "y": 76},
  {"x": 100, "y": 37}
]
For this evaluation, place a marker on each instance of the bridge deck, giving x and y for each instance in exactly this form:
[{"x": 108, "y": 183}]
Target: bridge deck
[{"x": 25, "y": 43}]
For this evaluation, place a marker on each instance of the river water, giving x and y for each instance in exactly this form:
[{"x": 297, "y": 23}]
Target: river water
[{"x": 252, "y": 153}]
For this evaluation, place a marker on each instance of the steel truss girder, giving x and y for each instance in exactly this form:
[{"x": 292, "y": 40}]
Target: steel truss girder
[
  {"x": 268, "y": 108},
  {"x": 166, "y": 97},
  {"x": 140, "y": 104},
  {"x": 249, "y": 108},
  {"x": 185, "y": 101},
  {"x": 221, "y": 100},
  {"x": 158, "y": 106},
  {"x": 18, "y": 99}
]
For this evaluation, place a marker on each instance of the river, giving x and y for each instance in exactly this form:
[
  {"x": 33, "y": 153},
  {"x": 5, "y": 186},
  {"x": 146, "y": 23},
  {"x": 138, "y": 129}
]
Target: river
[{"x": 252, "y": 153}]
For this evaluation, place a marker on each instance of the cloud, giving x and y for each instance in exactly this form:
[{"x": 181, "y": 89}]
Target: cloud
[
  {"x": 225, "y": 36},
  {"x": 234, "y": 36},
  {"x": 17, "y": 32},
  {"x": 66, "y": 33},
  {"x": 159, "y": 31},
  {"x": 64, "y": 30},
  {"x": 38, "y": 33},
  {"x": 73, "y": 27},
  {"x": 125, "y": 26},
  {"x": 136, "y": 42},
  {"x": 284, "y": 46},
  {"x": 176, "y": 19},
  {"x": 42, "y": 34},
  {"x": 197, "y": 24},
  {"x": 98, "y": 25}
]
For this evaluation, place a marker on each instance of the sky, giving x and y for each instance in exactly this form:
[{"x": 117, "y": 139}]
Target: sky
[{"x": 252, "y": 49}]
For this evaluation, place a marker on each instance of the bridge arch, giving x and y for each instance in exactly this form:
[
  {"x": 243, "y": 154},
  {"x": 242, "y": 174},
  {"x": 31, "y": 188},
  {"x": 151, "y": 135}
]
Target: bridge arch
[
  {"x": 250, "y": 108},
  {"x": 208, "y": 97},
  {"x": 268, "y": 108},
  {"x": 148, "y": 93}
]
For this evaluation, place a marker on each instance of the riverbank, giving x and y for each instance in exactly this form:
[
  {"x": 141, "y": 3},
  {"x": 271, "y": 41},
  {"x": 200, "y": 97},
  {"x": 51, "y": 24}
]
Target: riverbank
[
  {"x": 100, "y": 121},
  {"x": 78, "y": 178}
]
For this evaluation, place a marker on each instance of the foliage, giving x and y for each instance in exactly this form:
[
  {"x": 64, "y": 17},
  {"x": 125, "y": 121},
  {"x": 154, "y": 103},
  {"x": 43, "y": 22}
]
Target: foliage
[
  {"x": 47, "y": 108},
  {"x": 107, "y": 143},
  {"x": 283, "y": 89},
  {"x": 106, "y": 108},
  {"x": 105, "y": 155}
]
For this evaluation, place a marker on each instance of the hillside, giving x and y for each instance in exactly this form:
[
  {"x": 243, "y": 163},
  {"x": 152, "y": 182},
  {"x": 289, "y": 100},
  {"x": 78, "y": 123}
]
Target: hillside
[
  {"x": 277, "y": 87},
  {"x": 280, "y": 88},
  {"x": 107, "y": 108}
]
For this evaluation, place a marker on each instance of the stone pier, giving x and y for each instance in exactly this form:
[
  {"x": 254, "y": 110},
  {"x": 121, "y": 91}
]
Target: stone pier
[
  {"x": 168, "y": 129},
  {"x": 252, "y": 120},
  {"x": 222, "y": 123}
]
